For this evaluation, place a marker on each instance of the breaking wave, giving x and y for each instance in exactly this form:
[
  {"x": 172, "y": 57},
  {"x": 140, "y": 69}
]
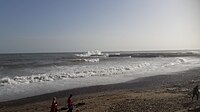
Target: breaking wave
[
  {"x": 92, "y": 53},
  {"x": 88, "y": 60},
  {"x": 74, "y": 73},
  {"x": 100, "y": 69}
]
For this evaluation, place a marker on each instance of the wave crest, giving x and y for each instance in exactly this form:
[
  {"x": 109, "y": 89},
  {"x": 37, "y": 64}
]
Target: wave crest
[
  {"x": 91, "y": 53},
  {"x": 88, "y": 60},
  {"x": 75, "y": 73}
]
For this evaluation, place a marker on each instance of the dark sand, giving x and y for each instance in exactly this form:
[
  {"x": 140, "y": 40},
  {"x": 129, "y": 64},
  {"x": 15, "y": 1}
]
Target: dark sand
[{"x": 166, "y": 93}]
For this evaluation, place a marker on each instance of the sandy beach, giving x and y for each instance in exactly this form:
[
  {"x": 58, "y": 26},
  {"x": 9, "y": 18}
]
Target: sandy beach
[{"x": 166, "y": 93}]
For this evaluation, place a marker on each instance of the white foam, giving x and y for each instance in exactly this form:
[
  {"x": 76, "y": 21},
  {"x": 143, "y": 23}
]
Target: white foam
[
  {"x": 88, "y": 60},
  {"x": 107, "y": 72},
  {"x": 103, "y": 69},
  {"x": 71, "y": 72},
  {"x": 91, "y": 53},
  {"x": 92, "y": 60}
]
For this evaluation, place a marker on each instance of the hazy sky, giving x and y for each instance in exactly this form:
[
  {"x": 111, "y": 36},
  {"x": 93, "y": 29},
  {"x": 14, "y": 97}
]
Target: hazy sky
[{"x": 82, "y": 25}]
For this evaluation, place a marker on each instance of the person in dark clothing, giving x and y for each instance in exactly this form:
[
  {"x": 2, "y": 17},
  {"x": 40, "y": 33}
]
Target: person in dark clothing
[
  {"x": 70, "y": 103},
  {"x": 54, "y": 105},
  {"x": 195, "y": 92}
]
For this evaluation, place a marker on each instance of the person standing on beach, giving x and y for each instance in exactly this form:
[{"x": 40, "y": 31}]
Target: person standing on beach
[
  {"x": 70, "y": 103},
  {"x": 195, "y": 92},
  {"x": 54, "y": 105}
]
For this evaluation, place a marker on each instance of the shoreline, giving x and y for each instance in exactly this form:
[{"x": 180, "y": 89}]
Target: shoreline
[
  {"x": 140, "y": 84},
  {"x": 59, "y": 78}
]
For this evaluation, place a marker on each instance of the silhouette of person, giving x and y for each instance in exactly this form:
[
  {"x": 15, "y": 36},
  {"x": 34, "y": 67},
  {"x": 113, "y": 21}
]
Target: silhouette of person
[
  {"x": 70, "y": 103},
  {"x": 195, "y": 92},
  {"x": 54, "y": 105}
]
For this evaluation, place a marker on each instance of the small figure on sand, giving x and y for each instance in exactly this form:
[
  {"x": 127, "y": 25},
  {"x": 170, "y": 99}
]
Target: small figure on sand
[
  {"x": 195, "y": 92},
  {"x": 54, "y": 105},
  {"x": 70, "y": 103}
]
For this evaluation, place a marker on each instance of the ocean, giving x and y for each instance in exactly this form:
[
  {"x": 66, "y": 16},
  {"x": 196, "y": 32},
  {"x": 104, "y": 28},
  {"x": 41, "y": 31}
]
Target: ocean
[{"x": 31, "y": 74}]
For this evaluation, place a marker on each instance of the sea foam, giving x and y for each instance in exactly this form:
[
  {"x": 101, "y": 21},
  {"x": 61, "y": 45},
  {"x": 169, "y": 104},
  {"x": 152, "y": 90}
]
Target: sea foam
[
  {"x": 114, "y": 70},
  {"x": 95, "y": 53},
  {"x": 102, "y": 69}
]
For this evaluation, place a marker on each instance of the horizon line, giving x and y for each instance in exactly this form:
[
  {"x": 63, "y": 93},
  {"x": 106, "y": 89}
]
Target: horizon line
[{"x": 52, "y": 52}]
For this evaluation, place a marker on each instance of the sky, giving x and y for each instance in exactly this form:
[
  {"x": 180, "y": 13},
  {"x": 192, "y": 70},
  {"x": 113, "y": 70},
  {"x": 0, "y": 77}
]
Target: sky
[{"x": 30, "y": 26}]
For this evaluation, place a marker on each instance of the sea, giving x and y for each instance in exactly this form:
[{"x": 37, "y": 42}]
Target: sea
[{"x": 29, "y": 74}]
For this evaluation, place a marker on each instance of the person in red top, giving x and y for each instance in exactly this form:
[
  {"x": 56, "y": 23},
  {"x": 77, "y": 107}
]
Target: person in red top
[
  {"x": 54, "y": 105},
  {"x": 70, "y": 103}
]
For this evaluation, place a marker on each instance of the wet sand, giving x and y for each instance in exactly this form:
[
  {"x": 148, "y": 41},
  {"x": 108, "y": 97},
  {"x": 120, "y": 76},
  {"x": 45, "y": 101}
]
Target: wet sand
[{"x": 170, "y": 92}]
